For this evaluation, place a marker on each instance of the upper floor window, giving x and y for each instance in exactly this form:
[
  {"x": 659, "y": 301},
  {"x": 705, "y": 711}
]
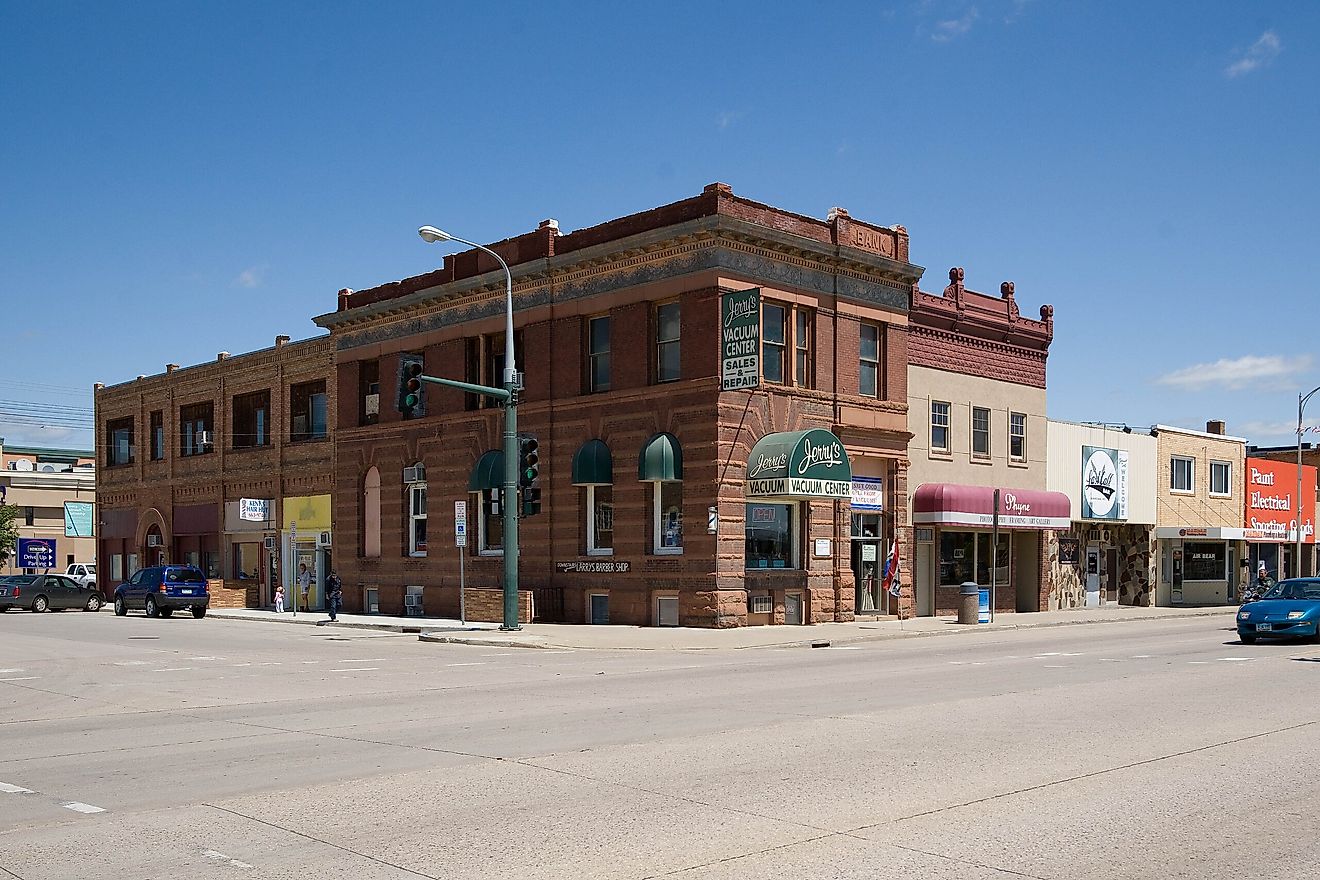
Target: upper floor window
[
  {"x": 368, "y": 392},
  {"x": 869, "y": 350},
  {"x": 251, "y": 420},
  {"x": 667, "y": 333},
  {"x": 1221, "y": 478},
  {"x": 1182, "y": 474},
  {"x": 1017, "y": 436},
  {"x": 158, "y": 435},
  {"x": 119, "y": 441},
  {"x": 598, "y": 354},
  {"x": 939, "y": 425},
  {"x": 980, "y": 432},
  {"x": 774, "y": 327},
  {"x": 804, "y": 358},
  {"x": 196, "y": 428},
  {"x": 416, "y": 518},
  {"x": 307, "y": 411}
]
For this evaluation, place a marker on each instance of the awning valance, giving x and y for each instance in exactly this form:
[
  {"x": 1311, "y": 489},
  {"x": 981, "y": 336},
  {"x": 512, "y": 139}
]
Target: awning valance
[
  {"x": 489, "y": 472},
  {"x": 955, "y": 504},
  {"x": 799, "y": 464},
  {"x": 661, "y": 459},
  {"x": 592, "y": 465}
]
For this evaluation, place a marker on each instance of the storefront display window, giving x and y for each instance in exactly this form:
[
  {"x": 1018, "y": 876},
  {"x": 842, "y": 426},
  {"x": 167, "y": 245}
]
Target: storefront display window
[
  {"x": 1205, "y": 562},
  {"x": 770, "y": 540},
  {"x": 957, "y": 557}
]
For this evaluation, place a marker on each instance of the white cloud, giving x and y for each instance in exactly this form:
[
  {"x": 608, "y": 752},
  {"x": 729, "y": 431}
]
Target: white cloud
[
  {"x": 251, "y": 276},
  {"x": 954, "y": 27},
  {"x": 1234, "y": 374},
  {"x": 727, "y": 118},
  {"x": 1261, "y": 52},
  {"x": 1268, "y": 433}
]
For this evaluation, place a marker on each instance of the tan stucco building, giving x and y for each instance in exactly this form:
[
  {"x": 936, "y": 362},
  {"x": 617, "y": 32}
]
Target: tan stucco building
[{"x": 54, "y": 491}]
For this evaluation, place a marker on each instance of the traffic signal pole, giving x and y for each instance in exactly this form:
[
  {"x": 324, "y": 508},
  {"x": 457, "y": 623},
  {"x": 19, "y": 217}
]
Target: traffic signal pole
[{"x": 508, "y": 397}]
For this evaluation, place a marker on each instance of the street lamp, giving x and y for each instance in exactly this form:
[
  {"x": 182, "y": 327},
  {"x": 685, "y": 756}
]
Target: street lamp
[
  {"x": 509, "y": 507},
  {"x": 1301, "y": 408}
]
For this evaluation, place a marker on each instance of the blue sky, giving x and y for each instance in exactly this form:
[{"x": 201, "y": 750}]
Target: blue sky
[{"x": 183, "y": 179}]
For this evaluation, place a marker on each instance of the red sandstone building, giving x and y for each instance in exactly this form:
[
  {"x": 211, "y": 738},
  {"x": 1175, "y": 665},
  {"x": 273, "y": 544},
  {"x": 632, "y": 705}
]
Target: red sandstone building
[
  {"x": 618, "y": 336},
  {"x": 209, "y": 465}
]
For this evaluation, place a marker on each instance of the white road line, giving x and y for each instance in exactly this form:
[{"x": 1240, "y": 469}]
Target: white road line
[
  {"x": 8, "y": 671},
  {"x": 80, "y": 807},
  {"x": 1046, "y": 654},
  {"x": 1236, "y": 659},
  {"x": 23, "y": 678},
  {"x": 1197, "y": 662},
  {"x": 206, "y": 658},
  {"x": 1141, "y": 656},
  {"x": 236, "y": 665},
  {"x": 132, "y": 663},
  {"x": 14, "y": 789},
  {"x": 310, "y": 662},
  {"x": 465, "y": 664},
  {"x": 221, "y": 857},
  {"x": 1076, "y": 654},
  {"x": 1047, "y": 666},
  {"x": 369, "y": 660},
  {"x": 359, "y": 669},
  {"x": 176, "y": 669}
]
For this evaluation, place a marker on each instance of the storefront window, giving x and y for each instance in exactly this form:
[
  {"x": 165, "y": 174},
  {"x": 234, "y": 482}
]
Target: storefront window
[
  {"x": 984, "y": 559},
  {"x": 769, "y": 531},
  {"x": 1205, "y": 562},
  {"x": 490, "y": 523},
  {"x": 957, "y": 557},
  {"x": 668, "y": 517},
  {"x": 247, "y": 561},
  {"x": 600, "y": 520}
]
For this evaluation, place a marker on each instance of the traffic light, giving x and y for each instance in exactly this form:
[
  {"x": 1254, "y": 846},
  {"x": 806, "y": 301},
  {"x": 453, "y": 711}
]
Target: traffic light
[
  {"x": 410, "y": 388},
  {"x": 529, "y": 462},
  {"x": 531, "y": 500}
]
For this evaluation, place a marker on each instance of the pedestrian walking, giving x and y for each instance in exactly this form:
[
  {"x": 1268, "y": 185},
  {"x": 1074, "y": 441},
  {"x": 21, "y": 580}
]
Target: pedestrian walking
[
  {"x": 279, "y": 599},
  {"x": 334, "y": 593}
]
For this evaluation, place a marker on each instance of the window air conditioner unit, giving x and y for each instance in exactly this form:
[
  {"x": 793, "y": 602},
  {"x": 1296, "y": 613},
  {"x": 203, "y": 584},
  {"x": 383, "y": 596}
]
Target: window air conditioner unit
[
  {"x": 153, "y": 540},
  {"x": 323, "y": 539},
  {"x": 269, "y": 542},
  {"x": 414, "y": 474}
]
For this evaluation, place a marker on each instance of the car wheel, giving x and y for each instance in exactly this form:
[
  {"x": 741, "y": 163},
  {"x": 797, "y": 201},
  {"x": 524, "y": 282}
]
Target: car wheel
[
  {"x": 94, "y": 603},
  {"x": 152, "y": 609},
  {"x": 167, "y": 612},
  {"x": 40, "y": 604},
  {"x": 1246, "y": 639},
  {"x": 199, "y": 613},
  {"x": 121, "y": 607}
]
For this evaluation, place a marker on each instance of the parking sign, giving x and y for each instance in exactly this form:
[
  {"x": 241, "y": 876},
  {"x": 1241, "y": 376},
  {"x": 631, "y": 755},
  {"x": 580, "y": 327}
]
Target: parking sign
[{"x": 460, "y": 523}]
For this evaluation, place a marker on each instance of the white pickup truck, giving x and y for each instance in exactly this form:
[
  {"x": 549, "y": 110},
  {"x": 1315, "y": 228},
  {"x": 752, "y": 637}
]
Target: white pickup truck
[{"x": 83, "y": 572}]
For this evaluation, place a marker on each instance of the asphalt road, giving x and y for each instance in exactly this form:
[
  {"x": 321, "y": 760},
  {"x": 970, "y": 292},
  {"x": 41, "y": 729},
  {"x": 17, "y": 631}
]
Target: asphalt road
[{"x": 135, "y": 748}]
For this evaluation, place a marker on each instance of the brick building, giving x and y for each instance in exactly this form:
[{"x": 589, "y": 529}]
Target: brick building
[
  {"x": 208, "y": 465},
  {"x": 618, "y": 336},
  {"x": 976, "y": 383}
]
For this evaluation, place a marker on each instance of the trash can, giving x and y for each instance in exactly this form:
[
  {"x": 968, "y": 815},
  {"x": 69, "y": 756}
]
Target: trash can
[
  {"x": 983, "y": 607},
  {"x": 969, "y": 603}
]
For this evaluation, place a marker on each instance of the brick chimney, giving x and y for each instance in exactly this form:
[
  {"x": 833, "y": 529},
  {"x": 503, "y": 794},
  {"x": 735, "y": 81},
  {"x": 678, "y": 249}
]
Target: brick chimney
[
  {"x": 222, "y": 356},
  {"x": 1217, "y": 426},
  {"x": 281, "y": 341},
  {"x": 170, "y": 368}
]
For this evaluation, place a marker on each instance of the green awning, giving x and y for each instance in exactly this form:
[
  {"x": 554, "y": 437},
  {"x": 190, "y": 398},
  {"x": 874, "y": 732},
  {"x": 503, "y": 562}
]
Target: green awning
[
  {"x": 661, "y": 459},
  {"x": 592, "y": 465},
  {"x": 489, "y": 472},
  {"x": 799, "y": 464}
]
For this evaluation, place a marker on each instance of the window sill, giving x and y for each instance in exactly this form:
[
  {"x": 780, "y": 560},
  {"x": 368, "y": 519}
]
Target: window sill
[
  {"x": 1224, "y": 496},
  {"x": 1188, "y": 492},
  {"x": 296, "y": 440},
  {"x": 250, "y": 448},
  {"x": 417, "y": 555},
  {"x": 667, "y": 551},
  {"x": 600, "y": 551},
  {"x": 1018, "y": 463},
  {"x": 981, "y": 459},
  {"x": 490, "y": 553},
  {"x": 941, "y": 454}
]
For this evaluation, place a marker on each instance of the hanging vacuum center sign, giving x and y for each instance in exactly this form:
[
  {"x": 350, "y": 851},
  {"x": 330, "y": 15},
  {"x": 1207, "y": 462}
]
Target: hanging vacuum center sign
[{"x": 740, "y": 340}]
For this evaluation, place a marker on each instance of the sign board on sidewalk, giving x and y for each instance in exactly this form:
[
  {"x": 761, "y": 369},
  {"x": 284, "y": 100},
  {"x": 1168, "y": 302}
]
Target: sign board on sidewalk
[
  {"x": 36, "y": 553},
  {"x": 460, "y": 523},
  {"x": 740, "y": 339}
]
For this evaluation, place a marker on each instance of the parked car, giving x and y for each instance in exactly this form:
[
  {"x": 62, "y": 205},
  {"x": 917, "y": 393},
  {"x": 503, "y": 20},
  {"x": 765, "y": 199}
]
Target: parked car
[
  {"x": 83, "y": 572},
  {"x": 1290, "y": 610},
  {"x": 162, "y": 589},
  {"x": 42, "y": 592}
]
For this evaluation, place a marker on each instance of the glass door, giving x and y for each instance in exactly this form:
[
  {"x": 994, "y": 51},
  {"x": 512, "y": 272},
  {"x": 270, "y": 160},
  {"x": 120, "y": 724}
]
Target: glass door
[{"x": 868, "y": 563}]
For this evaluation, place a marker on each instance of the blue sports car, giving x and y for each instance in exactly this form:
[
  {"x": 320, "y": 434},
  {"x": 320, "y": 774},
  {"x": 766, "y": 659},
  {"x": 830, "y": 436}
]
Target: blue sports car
[{"x": 1290, "y": 610}]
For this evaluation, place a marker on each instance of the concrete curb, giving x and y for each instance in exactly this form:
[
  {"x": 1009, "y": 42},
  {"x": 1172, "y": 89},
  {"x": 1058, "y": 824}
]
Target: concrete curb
[
  {"x": 822, "y": 640},
  {"x": 313, "y": 621}
]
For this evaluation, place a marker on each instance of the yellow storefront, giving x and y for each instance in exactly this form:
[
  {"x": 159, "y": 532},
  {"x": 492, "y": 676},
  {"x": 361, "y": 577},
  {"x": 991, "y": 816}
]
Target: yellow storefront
[{"x": 305, "y": 554}]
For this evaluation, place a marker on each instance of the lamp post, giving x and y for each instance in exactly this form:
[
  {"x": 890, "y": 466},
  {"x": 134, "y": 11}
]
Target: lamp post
[
  {"x": 1301, "y": 408},
  {"x": 508, "y": 504}
]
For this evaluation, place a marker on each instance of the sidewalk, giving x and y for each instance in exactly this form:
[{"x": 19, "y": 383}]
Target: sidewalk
[{"x": 623, "y": 638}]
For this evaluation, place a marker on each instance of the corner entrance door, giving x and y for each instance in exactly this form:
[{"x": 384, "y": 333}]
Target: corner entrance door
[{"x": 1111, "y": 576}]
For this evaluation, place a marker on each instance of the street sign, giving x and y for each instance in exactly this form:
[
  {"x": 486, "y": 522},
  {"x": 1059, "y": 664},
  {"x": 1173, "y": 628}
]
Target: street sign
[
  {"x": 740, "y": 339},
  {"x": 36, "y": 553},
  {"x": 460, "y": 523}
]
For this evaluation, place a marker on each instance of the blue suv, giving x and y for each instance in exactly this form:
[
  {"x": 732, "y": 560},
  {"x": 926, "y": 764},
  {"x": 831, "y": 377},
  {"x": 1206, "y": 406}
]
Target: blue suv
[{"x": 163, "y": 588}]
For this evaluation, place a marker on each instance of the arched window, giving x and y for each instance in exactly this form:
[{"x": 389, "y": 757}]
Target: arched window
[
  {"x": 371, "y": 513},
  {"x": 593, "y": 469},
  {"x": 661, "y": 465}
]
